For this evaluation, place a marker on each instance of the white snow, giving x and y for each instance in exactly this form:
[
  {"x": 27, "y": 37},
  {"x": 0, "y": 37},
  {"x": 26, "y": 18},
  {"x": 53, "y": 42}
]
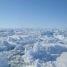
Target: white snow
[
  {"x": 33, "y": 48},
  {"x": 62, "y": 60}
]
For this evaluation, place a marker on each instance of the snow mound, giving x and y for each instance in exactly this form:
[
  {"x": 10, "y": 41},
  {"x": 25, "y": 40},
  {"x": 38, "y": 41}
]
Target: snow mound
[{"x": 62, "y": 60}]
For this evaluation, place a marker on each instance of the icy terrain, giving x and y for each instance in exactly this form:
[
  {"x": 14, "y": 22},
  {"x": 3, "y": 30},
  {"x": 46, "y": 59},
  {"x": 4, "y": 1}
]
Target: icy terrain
[{"x": 33, "y": 48}]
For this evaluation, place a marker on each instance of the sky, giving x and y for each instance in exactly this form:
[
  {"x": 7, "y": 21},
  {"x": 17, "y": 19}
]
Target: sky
[{"x": 33, "y": 13}]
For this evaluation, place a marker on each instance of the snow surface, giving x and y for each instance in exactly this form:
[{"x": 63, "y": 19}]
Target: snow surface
[
  {"x": 33, "y": 48},
  {"x": 3, "y": 62}
]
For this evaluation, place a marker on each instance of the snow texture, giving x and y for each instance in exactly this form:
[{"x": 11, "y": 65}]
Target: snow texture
[{"x": 33, "y": 48}]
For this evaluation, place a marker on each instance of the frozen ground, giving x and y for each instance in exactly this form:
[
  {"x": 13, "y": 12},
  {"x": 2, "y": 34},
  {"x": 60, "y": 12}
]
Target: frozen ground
[{"x": 33, "y": 48}]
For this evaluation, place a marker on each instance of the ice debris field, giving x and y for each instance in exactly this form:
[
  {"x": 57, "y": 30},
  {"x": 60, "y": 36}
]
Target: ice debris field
[{"x": 33, "y": 48}]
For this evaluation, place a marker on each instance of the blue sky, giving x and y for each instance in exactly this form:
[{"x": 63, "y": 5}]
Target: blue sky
[{"x": 33, "y": 13}]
